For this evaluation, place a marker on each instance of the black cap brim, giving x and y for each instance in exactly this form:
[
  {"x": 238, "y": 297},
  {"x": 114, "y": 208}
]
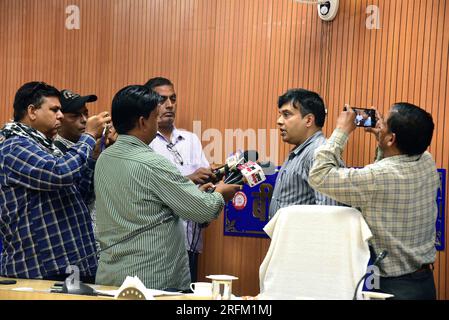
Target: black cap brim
[
  {"x": 90, "y": 98},
  {"x": 76, "y": 104}
]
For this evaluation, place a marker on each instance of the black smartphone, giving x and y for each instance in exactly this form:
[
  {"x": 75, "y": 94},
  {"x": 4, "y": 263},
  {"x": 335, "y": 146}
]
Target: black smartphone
[
  {"x": 8, "y": 282},
  {"x": 365, "y": 117}
]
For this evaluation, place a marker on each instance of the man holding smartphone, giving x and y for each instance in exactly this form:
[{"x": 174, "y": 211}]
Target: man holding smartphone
[
  {"x": 396, "y": 195},
  {"x": 73, "y": 125}
]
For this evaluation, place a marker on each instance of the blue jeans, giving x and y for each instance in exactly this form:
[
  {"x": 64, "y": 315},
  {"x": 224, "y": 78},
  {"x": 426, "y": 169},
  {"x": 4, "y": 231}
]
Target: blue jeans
[{"x": 413, "y": 286}]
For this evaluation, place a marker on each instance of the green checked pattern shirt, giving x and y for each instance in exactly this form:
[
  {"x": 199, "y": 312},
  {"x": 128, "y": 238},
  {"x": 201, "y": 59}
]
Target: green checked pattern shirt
[
  {"x": 136, "y": 187},
  {"x": 397, "y": 197}
]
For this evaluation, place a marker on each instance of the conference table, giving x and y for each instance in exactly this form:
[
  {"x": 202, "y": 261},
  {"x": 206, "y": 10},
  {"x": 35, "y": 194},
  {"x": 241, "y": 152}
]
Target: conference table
[{"x": 26, "y": 289}]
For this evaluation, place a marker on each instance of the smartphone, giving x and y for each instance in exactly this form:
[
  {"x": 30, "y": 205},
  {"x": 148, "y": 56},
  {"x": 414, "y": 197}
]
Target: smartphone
[{"x": 365, "y": 117}]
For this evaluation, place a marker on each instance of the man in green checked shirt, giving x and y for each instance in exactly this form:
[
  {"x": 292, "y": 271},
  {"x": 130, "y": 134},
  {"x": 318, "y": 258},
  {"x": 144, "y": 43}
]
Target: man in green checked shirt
[
  {"x": 396, "y": 195},
  {"x": 135, "y": 187}
]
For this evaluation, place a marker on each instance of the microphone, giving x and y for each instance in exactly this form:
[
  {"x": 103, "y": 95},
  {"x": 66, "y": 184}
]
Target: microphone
[
  {"x": 220, "y": 172},
  {"x": 250, "y": 173},
  {"x": 379, "y": 258},
  {"x": 267, "y": 169},
  {"x": 80, "y": 288},
  {"x": 249, "y": 155},
  {"x": 231, "y": 163}
]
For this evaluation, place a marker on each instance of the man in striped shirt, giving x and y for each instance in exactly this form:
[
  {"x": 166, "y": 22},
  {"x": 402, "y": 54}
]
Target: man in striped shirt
[
  {"x": 302, "y": 116},
  {"x": 45, "y": 224},
  {"x": 184, "y": 150},
  {"x": 396, "y": 195},
  {"x": 136, "y": 187}
]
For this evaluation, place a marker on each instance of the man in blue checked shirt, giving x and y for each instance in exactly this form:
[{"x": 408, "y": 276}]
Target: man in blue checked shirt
[{"x": 45, "y": 224}]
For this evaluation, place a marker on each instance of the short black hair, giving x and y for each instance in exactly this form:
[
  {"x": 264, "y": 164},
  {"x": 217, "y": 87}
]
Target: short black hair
[
  {"x": 412, "y": 126},
  {"x": 306, "y": 102},
  {"x": 32, "y": 93},
  {"x": 157, "y": 82},
  {"x": 131, "y": 103}
]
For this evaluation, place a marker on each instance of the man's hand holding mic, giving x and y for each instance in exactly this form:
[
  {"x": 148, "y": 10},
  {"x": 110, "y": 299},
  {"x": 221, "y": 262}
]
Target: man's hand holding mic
[
  {"x": 227, "y": 190},
  {"x": 202, "y": 176}
]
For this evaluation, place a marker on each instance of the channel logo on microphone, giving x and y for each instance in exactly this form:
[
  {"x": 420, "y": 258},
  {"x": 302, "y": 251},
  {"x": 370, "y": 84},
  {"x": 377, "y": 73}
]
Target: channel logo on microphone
[{"x": 252, "y": 173}]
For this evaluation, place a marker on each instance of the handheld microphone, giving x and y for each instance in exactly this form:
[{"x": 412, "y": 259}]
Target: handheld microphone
[
  {"x": 237, "y": 177},
  {"x": 230, "y": 167},
  {"x": 220, "y": 172},
  {"x": 249, "y": 173},
  {"x": 379, "y": 258},
  {"x": 251, "y": 155},
  {"x": 224, "y": 171},
  {"x": 234, "y": 171}
]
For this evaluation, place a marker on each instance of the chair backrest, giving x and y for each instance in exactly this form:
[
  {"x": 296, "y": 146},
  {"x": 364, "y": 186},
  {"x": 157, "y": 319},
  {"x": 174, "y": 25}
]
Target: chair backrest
[{"x": 316, "y": 252}]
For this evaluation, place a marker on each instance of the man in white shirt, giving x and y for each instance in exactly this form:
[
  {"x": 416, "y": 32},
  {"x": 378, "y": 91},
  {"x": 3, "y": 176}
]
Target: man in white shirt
[{"x": 184, "y": 150}]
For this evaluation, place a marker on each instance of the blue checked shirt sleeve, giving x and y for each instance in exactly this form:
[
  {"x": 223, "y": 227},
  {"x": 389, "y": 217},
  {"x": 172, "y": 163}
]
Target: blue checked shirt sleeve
[
  {"x": 26, "y": 164},
  {"x": 86, "y": 183},
  {"x": 347, "y": 185}
]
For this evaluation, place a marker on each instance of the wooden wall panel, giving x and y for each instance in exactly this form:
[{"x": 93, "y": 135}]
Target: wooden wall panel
[{"x": 230, "y": 60}]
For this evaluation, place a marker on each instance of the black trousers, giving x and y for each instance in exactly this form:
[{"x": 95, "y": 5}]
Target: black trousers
[{"x": 413, "y": 286}]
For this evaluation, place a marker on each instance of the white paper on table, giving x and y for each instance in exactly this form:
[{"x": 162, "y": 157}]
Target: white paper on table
[
  {"x": 26, "y": 289},
  {"x": 134, "y": 282}
]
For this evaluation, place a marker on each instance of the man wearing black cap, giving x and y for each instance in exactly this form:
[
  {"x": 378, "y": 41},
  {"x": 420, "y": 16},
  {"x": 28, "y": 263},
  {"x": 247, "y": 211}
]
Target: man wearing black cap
[{"x": 73, "y": 125}]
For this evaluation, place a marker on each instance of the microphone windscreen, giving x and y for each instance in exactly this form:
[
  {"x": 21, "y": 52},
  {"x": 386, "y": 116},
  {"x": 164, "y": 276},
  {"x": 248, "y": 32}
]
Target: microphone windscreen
[
  {"x": 268, "y": 168},
  {"x": 380, "y": 257},
  {"x": 251, "y": 155},
  {"x": 252, "y": 173}
]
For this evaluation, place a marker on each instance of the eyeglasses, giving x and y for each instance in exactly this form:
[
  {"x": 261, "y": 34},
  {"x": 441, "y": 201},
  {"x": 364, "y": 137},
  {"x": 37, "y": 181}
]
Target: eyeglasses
[
  {"x": 176, "y": 154},
  {"x": 165, "y": 98}
]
